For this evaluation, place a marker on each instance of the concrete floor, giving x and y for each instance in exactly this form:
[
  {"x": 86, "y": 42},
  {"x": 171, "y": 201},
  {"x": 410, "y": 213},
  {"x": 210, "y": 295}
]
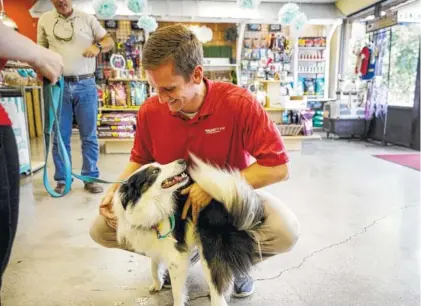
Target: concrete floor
[{"x": 359, "y": 245}]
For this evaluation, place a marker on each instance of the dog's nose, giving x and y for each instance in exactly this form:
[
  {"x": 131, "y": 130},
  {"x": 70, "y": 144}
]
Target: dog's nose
[{"x": 181, "y": 161}]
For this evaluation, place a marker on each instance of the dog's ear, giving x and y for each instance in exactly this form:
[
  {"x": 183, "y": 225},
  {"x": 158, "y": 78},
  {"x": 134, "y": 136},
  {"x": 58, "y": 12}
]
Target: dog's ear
[{"x": 133, "y": 188}]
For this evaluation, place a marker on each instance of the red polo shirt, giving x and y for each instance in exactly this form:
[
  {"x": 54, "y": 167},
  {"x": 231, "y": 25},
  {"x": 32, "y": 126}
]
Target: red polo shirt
[{"x": 229, "y": 127}]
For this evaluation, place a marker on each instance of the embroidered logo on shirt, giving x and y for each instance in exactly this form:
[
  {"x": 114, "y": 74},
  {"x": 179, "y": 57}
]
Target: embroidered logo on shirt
[{"x": 215, "y": 130}]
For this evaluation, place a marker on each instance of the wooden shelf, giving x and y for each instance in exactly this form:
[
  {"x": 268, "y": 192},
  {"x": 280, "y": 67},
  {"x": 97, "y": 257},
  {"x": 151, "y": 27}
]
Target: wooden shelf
[
  {"x": 127, "y": 80},
  {"x": 117, "y": 139},
  {"x": 122, "y": 109},
  {"x": 220, "y": 65},
  {"x": 275, "y": 109},
  {"x": 294, "y": 143},
  {"x": 302, "y": 137}
]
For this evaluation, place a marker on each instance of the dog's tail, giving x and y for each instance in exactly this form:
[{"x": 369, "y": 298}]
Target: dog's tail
[
  {"x": 233, "y": 247},
  {"x": 231, "y": 189}
]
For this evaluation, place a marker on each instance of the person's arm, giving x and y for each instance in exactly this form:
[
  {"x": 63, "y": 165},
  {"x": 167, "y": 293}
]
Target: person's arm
[
  {"x": 139, "y": 156},
  {"x": 101, "y": 37},
  {"x": 263, "y": 141},
  {"x": 15, "y": 46},
  {"x": 259, "y": 176}
]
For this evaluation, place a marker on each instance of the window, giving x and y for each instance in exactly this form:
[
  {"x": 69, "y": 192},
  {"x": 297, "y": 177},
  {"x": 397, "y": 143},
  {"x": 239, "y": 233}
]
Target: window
[
  {"x": 403, "y": 43},
  {"x": 403, "y": 64}
]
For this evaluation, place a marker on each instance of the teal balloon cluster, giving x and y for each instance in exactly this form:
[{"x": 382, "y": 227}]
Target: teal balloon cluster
[
  {"x": 290, "y": 14},
  {"x": 147, "y": 23},
  {"x": 287, "y": 13},
  {"x": 105, "y": 9},
  {"x": 249, "y": 4},
  {"x": 299, "y": 21},
  {"x": 136, "y": 6}
]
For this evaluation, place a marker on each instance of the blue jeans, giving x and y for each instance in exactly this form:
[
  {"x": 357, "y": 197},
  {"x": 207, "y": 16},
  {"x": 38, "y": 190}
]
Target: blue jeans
[{"x": 81, "y": 99}]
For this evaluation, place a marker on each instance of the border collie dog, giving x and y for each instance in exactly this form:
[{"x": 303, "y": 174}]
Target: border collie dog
[{"x": 149, "y": 208}]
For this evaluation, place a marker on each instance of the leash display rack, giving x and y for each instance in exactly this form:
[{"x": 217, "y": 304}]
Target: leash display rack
[{"x": 21, "y": 108}]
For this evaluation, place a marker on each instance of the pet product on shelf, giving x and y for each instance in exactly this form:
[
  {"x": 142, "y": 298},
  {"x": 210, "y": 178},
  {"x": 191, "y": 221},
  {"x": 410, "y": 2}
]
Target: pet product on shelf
[
  {"x": 117, "y": 119},
  {"x": 307, "y": 122},
  {"x": 115, "y": 134}
]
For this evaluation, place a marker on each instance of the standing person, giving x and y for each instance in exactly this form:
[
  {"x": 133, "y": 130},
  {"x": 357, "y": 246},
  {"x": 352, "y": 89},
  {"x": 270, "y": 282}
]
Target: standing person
[
  {"x": 218, "y": 122},
  {"x": 14, "y": 46},
  {"x": 79, "y": 38}
]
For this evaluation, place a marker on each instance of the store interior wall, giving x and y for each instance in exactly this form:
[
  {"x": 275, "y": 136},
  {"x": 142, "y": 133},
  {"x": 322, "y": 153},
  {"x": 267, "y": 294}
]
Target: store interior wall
[
  {"x": 334, "y": 60},
  {"x": 18, "y": 10},
  {"x": 348, "y": 7}
]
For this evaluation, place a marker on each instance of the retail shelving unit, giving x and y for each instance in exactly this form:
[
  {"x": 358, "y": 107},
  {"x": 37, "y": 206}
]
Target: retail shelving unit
[{"x": 19, "y": 102}]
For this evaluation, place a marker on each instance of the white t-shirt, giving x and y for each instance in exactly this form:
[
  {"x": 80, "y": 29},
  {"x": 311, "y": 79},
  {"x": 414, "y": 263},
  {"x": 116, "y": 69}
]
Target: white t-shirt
[{"x": 86, "y": 30}]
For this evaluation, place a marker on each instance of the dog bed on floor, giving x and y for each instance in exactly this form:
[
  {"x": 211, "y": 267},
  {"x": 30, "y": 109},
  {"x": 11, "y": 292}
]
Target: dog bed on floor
[{"x": 408, "y": 160}]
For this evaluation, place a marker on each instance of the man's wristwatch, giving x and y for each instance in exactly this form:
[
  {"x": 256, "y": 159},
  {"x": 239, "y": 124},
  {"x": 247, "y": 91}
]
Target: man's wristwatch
[{"x": 99, "y": 46}]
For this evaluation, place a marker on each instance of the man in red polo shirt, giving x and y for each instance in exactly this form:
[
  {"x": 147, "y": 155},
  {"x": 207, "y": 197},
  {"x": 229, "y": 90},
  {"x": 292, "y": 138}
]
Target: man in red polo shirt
[{"x": 218, "y": 122}]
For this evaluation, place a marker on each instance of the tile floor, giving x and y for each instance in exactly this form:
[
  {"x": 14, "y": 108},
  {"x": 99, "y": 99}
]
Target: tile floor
[{"x": 359, "y": 244}]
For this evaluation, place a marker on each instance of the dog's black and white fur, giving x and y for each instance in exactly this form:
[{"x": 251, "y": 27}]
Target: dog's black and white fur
[{"x": 224, "y": 234}]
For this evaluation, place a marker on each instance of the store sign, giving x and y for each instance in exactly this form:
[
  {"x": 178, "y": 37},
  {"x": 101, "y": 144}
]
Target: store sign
[
  {"x": 382, "y": 23},
  {"x": 111, "y": 24},
  {"x": 409, "y": 16},
  {"x": 254, "y": 27},
  {"x": 275, "y": 28}
]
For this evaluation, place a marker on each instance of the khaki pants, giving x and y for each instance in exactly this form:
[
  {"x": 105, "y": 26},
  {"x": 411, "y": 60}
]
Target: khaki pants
[{"x": 278, "y": 234}]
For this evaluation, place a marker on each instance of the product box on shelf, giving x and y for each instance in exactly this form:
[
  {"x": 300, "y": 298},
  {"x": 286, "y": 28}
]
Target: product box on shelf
[{"x": 310, "y": 42}]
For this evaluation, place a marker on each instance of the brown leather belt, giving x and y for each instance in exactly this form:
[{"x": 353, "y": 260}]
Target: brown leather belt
[{"x": 77, "y": 78}]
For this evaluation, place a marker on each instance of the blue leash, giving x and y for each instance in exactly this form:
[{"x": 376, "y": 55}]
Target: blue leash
[{"x": 53, "y": 97}]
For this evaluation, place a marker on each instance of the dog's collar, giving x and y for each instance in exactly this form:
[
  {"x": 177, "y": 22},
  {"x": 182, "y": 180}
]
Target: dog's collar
[{"x": 172, "y": 226}]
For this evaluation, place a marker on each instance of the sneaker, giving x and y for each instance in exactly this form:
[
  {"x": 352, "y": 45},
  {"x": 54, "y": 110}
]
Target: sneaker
[
  {"x": 60, "y": 188},
  {"x": 93, "y": 188},
  {"x": 243, "y": 287}
]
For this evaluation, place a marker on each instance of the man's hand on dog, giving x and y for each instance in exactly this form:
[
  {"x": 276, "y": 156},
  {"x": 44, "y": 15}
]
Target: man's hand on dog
[
  {"x": 198, "y": 199},
  {"x": 106, "y": 210}
]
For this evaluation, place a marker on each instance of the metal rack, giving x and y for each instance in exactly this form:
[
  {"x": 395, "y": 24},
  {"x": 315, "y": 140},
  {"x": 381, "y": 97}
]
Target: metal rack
[{"x": 12, "y": 91}]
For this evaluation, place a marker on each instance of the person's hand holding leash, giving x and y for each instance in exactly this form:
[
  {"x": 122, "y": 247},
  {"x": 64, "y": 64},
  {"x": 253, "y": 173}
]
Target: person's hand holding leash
[
  {"x": 197, "y": 199},
  {"x": 106, "y": 210}
]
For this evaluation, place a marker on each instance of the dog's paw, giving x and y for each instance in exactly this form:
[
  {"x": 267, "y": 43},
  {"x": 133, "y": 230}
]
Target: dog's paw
[{"x": 155, "y": 287}]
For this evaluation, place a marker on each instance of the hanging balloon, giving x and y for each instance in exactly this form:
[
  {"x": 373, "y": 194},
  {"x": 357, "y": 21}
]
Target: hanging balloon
[
  {"x": 148, "y": 23},
  {"x": 287, "y": 13},
  {"x": 248, "y": 4},
  {"x": 137, "y": 6},
  {"x": 105, "y": 9},
  {"x": 299, "y": 21}
]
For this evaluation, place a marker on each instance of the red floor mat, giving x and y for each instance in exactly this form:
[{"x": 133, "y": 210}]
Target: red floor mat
[{"x": 407, "y": 160}]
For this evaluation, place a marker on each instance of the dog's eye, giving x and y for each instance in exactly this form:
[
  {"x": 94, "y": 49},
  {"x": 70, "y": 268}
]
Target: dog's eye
[{"x": 156, "y": 171}]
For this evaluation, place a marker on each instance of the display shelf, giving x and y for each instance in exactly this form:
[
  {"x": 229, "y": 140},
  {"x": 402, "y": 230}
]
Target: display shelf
[
  {"x": 120, "y": 109},
  {"x": 295, "y": 143},
  {"x": 311, "y": 60},
  {"x": 117, "y": 145},
  {"x": 312, "y": 48},
  {"x": 281, "y": 109},
  {"x": 25, "y": 105},
  {"x": 126, "y": 80},
  {"x": 220, "y": 65}
]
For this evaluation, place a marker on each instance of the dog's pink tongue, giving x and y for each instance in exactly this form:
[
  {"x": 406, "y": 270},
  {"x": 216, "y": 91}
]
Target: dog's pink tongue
[{"x": 178, "y": 178}]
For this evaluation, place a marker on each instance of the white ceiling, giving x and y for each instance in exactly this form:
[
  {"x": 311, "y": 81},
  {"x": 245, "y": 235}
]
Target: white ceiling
[
  {"x": 206, "y": 10},
  {"x": 273, "y": 1}
]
